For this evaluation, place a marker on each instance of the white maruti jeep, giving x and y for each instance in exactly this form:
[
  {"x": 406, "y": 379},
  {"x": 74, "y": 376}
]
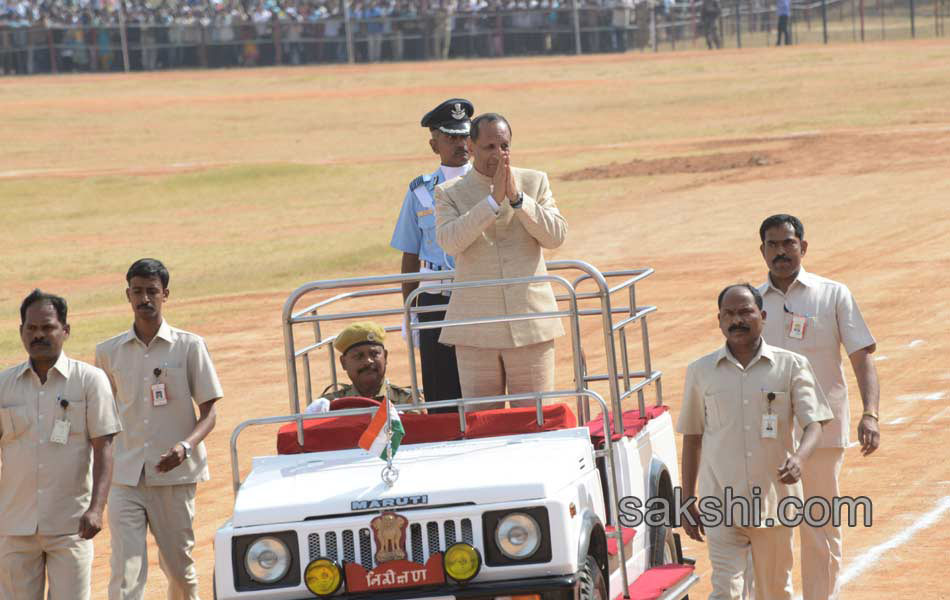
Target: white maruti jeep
[{"x": 498, "y": 504}]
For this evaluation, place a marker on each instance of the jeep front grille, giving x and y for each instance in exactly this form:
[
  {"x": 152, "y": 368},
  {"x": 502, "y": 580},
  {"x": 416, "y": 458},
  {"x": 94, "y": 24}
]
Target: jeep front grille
[{"x": 358, "y": 545}]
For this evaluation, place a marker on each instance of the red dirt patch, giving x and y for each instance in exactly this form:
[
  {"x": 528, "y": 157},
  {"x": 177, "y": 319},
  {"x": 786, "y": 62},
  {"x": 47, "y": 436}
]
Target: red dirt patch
[
  {"x": 837, "y": 152},
  {"x": 709, "y": 163}
]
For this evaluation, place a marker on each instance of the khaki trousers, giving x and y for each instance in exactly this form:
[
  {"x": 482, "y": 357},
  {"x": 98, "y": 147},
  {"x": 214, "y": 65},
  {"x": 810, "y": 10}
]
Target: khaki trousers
[
  {"x": 168, "y": 510},
  {"x": 771, "y": 549},
  {"x": 26, "y": 561},
  {"x": 821, "y": 546},
  {"x": 487, "y": 371}
]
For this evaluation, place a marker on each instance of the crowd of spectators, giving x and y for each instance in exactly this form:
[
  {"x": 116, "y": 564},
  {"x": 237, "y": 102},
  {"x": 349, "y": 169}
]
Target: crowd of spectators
[{"x": 85, "y": 35}]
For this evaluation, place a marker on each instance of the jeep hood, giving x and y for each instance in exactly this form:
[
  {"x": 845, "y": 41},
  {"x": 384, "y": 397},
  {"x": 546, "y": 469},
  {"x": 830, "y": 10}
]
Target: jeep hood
[{"x": 292, "y": 488}]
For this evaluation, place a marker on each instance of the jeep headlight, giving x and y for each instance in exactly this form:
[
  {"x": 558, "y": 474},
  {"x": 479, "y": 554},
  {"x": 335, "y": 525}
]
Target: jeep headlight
[
  {"x": 323, "y": 577},
  {"x": 267, "y": 560},
  {"x": 462, "y": 562},
  {"x": 518, "y": 536}
]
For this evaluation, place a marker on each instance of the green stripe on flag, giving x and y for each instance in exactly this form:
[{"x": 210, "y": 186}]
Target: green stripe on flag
[{"x": 398, "y": 433}]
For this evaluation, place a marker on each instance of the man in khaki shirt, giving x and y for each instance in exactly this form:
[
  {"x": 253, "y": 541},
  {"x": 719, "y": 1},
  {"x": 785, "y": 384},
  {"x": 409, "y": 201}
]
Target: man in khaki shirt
[
  {"x": 737, "y": 417},
  {"x": 496, "y": 220},
  {"x": 815, "y": 317},
  {"x": 57, "y": 419},
  {"x": 363, "y": 356},
  {"x": 158, "y": 373}
]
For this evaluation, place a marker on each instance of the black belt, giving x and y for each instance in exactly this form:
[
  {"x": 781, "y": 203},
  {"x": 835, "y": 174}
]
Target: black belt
[{"x": 433, "y": 266}]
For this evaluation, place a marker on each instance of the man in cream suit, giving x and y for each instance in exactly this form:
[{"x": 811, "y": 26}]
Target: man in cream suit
[{"x": 495, "y": 220}]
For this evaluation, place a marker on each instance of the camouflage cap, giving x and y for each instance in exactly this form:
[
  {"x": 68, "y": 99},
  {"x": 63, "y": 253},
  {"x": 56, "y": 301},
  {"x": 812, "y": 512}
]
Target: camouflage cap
[{"x": 365, "y": 332}]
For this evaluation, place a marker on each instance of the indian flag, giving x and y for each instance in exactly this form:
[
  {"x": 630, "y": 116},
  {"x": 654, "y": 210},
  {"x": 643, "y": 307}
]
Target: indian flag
[{"x": 373, "y": 439}]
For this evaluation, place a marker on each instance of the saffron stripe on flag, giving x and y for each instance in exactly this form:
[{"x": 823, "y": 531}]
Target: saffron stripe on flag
[{"x": 376, "y": 425}]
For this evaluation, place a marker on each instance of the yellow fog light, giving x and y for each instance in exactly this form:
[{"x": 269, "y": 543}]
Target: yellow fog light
[
  {"x": 323, "y": 577},
  {"x": 462, "y": 562}
]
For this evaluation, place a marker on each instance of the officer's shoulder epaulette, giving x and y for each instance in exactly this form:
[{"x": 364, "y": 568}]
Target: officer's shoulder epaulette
[{"x": 420, "y": 180}]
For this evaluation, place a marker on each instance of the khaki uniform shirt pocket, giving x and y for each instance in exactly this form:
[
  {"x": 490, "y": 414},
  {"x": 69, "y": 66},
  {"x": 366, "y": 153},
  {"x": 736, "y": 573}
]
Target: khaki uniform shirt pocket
[
  {"x": 14, "y": 422},
  {"x": 810, "y": 339},
  {"x": 821, "y": 331},
  {"x": 76, "y": 413},
  {"x": 780, "y": 406},
  {"x": 176, "y": 385}
]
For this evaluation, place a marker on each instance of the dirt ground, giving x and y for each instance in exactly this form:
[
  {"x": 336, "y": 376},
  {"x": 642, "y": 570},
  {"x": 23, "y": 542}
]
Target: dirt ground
[{"x": 862, "y": 159}]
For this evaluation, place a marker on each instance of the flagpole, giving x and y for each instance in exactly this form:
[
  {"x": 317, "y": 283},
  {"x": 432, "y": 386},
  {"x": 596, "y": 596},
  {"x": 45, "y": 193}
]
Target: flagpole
[
  {"x": 389, "y": 474},
  {"x": 389, "y": 426}
]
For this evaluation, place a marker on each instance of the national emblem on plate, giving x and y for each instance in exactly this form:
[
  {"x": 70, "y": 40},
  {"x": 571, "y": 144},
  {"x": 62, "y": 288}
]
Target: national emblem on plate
[
  {"x": 458, "y": 113},
  {"x": 389, "y": 529}
]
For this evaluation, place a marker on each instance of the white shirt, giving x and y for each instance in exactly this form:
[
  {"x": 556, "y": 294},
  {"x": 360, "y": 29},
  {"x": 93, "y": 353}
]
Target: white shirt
[
  {"x": 453, "y": 172},
  {"x": 832, "y": 318}
]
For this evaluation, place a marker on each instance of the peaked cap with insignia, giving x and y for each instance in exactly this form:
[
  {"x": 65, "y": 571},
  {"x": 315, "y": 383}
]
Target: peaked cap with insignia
[
  {"x": 453, "y": 117},
  {"x": 365, "y": 332}
]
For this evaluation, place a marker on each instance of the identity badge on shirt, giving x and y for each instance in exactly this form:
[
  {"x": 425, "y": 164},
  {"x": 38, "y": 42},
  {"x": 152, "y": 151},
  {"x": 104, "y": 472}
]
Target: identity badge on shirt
[
  {"x": 159, "y": 397},
  {"x": 770, "y": 426},
  {"x": 60, "y": 432},
  {"x": 797, "y": 328}
]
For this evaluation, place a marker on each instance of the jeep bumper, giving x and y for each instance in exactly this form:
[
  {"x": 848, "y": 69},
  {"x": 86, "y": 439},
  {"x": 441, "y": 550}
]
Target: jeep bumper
[{"x": 561, "y": 587}]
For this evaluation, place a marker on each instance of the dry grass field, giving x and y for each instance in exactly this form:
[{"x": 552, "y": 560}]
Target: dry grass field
[{"x": 248, "y": 183}]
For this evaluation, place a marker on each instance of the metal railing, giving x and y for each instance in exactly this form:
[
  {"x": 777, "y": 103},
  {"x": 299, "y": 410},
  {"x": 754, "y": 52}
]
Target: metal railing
[
  {"x": 209, "y": 43},
  {"x": 753, "y": 23},
  {"x": 571, "y": 313},
  {"x": 577, "y": 29},
  {"x": 618, "y": 370}
]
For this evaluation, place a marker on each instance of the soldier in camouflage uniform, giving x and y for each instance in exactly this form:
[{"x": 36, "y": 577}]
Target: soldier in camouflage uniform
[
  {"x": 363, "y": 357},
  {"x": 399, "y": 395}
]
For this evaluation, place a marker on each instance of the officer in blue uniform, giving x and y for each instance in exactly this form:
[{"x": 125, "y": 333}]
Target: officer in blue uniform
[{"x": 449, "y": 125}]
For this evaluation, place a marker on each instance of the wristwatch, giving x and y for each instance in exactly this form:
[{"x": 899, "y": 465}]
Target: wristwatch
[
  {"x": 870, "y": 413},
  {"x": 517, "y": 203},
  {"x": 187, "y": 448}
]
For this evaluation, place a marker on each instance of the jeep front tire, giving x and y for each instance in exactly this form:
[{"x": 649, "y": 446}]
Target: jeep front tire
[{"x": 590, "y": 582}]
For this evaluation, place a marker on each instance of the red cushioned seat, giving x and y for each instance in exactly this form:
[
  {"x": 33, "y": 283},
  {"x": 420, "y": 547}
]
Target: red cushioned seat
[
  {"x": 627, "y": 533},
  {"x": 632, "y": 424},
  {"x": 512, "y": 421},
  {"x": 341, "y": 433},
  {"x": 653, "y": 582}
]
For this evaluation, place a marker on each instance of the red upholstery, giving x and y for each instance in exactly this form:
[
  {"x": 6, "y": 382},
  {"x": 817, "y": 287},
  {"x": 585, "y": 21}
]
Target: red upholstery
[
  {"x": 511, "y": 421},
  {"x": 632, "y": 424},
  {"x": 340, "y": 433},
  {"x": 352, "y": 402},
  {"x": 627, "y": 533},
  {"x": 657, "y": 580}
]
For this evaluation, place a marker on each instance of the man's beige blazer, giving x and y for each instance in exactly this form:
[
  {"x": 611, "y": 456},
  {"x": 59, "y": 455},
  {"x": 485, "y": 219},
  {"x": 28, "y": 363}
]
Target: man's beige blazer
[{"x": 496, "y": 246}]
